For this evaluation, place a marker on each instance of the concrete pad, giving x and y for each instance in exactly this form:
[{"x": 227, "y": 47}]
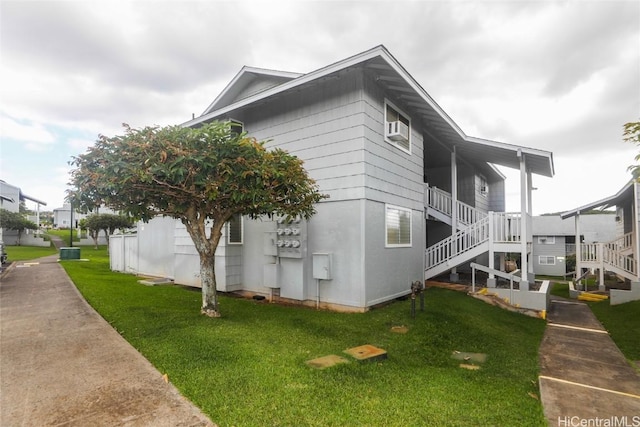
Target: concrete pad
[
  {"x": 367, "y": 352},
  {"x": 156, "y": 281},
  {"x": 326, "y": 361}
]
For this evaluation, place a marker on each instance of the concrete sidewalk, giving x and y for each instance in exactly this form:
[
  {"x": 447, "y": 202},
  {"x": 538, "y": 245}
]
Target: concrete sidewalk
[
  {"x": 63, "y": 364},
  {"x": 583, "y": 374}
]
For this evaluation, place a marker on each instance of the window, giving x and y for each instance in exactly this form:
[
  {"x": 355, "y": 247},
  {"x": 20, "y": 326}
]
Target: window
[
  {"x": 484, "y": 187},
  {"x": 546, "y": 260},
  {"x": 397, "y": 129},
  {"x": 234, "y": 230},
  {"x": 398, "y": 226},
  {"x": 547, "y": 240},
  {"x": 237, "y": 127}
]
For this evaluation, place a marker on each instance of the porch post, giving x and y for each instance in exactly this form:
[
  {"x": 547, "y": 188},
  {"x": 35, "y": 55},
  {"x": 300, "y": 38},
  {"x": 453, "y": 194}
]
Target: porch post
[
  {"x": 453, "y": 276},
  {"x": 601, "y": 286},
  {"x": 578, "y": 250},
  {"x": 491, "y": 280},
  {"x": 635, "y": 235},
  {"x": 524, "y": 232},
  {"x": 531, "y": 277}
]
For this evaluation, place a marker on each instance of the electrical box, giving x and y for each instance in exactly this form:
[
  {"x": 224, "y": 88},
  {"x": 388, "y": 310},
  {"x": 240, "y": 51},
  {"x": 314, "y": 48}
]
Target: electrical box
[
  {"x": 271, "y": 276},
  {"x": 287, "y": 238},
  {"x": 322, "y": 266}
]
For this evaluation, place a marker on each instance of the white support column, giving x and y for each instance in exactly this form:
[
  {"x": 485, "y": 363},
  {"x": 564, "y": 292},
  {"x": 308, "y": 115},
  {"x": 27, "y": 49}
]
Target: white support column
[
  {"x": 578, "y": 249},
  {"x": 491, "y": 280},
  {"x": 601, "y": 286},
  {"x": 635, "y": 236},
  {"x": 454, "y": 205},
  {"x": 524, "y": 191},
  {"x": 531, "y": 275}
]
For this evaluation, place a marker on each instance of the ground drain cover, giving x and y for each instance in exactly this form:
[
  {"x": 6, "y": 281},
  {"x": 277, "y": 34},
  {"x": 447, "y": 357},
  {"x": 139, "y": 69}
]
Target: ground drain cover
[
  {"x": 326, "y": 361},
  {"x": 367, "y": 352},
  {"x": 471, "y": 358}
]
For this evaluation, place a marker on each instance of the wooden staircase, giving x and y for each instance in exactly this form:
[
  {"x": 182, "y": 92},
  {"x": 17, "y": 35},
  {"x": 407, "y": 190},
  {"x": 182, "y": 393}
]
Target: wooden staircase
[
  {"x": 613, "y": 256},
  {"x": 476, "y": 231}
]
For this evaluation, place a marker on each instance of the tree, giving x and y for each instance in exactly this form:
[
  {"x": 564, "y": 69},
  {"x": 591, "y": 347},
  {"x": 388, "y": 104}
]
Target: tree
[
  {"x": 15, "y": 221},
  {"x": 108, "y": 223},
  {"x": 201, "y": 176},
  {"x": 631, "y": 134}
]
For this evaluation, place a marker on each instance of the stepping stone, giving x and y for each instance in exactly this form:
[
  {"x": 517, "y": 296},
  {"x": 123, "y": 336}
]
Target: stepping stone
[
  {"x": 399, "y": 329},
  {"x": 326, "y": 361},
  {"x": 469, "y": 367},
  {"x": 367, "y": 352}
]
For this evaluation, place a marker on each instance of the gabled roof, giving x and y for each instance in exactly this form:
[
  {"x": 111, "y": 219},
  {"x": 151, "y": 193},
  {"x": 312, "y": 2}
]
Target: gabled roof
[
  {"x": 261, "y": 78},
  {"x": 393, "y": 77},
  {"x": 625, "y": 193}
]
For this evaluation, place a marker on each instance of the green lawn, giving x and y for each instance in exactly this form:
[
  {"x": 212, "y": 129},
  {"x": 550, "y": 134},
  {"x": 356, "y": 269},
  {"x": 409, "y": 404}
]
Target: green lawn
[
  {"x": 24, "y": 253},
  {"x": 623, "y": 324},
  {"x": 248, "y": 367}
]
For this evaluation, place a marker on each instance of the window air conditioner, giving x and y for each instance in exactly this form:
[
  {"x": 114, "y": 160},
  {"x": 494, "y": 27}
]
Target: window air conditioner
[{"x": 397, "y": 131}]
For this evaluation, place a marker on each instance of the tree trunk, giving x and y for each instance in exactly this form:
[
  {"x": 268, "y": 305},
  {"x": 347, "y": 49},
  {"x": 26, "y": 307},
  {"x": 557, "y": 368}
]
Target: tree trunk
[{"x": 209, "y": 291}]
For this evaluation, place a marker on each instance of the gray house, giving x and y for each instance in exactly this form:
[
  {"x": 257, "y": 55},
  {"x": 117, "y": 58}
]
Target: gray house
[
  {"x": 619, "y": 255},
  {"x": 10, "y": 198},
  {"x": 401, "y": 176},
  {"x": 555, "y": 238}
]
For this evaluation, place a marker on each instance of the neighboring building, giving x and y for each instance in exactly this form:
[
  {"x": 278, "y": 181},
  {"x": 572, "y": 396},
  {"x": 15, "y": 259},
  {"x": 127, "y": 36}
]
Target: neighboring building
[
  {"x": 619, "y": 255},
  {"x": 10, "y": 199},
  {"x": 554, "y": 239},
  {"x": 401, "y": 175},
  {"x": 62, "y": 216}
]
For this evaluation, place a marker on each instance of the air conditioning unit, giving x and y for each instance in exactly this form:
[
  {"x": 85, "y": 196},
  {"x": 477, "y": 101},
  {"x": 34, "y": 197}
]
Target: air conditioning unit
[{"x": 397, "y": 131}]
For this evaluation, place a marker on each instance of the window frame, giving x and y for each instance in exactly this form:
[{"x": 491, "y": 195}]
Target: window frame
[
  {"x": 398, "y": 111},
  {"x": 547, "y": 257},
  {"x": 388, "y": 207},
  {"x": 228, "y": 231}
]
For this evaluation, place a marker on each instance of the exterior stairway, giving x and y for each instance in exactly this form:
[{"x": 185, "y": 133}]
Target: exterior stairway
[
  {"x": 477, "y": 230},
  {"x": 612, "y": 256}
]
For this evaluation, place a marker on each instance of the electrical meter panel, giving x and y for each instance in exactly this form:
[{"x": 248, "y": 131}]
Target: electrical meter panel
[{"x": 288, "y": 240}]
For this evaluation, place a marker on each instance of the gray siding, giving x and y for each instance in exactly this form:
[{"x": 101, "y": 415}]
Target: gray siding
[{"x": 556, "y": 250}]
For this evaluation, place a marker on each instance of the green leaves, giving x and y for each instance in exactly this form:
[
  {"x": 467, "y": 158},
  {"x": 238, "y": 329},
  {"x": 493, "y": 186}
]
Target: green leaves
[{"x": 166, "y": 170}]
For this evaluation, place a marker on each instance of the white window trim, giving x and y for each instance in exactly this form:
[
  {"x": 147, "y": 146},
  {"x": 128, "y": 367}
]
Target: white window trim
[
  {"x": 386, "y": 228},
  {"x": 384, "y": 130},
  {"x": 547, "y": 258},
  {"x": 228, "y": 231},
  {"x": 483, "y": 180}
]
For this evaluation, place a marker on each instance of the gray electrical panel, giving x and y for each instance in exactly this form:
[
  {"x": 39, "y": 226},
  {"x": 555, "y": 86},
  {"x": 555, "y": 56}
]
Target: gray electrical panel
[{"x": 322, "y": 266}]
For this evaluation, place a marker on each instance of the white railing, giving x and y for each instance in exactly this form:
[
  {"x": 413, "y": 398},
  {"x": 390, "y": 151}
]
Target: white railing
[
  {"x": 457, "y": 244},
  {"x": 623, "y": 243},
  {"x": 442, "y": 201},
  {"x": 609, "y": 254},
  {"x": 507, "y": 227}
]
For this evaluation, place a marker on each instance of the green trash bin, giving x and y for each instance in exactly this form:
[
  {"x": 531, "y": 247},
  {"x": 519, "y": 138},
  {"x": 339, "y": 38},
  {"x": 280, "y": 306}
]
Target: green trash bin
[{"x": 69, "y": 253}]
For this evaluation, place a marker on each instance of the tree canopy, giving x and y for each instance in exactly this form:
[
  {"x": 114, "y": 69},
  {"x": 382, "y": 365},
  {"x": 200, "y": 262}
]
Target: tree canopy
[
  {"x": 108, "y": 223},
  {"x": 631, "y": 134},
  {"x": 201, "y": 176}
]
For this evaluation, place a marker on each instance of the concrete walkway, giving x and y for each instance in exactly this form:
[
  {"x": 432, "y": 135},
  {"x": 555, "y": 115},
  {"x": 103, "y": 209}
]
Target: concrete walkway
[
  {"x": 583, "y": 374},
  {"x": 61, "y": 364}
]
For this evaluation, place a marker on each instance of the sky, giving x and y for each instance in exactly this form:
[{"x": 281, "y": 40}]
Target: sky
[{"x": 561, "y": 76}]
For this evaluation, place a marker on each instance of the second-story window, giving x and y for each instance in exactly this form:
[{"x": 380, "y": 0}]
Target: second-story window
[{"x": 397, "y": 127}]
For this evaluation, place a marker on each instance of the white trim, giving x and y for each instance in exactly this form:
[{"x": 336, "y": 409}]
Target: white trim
[
  {"x": 388, "y": 103},
  {"x": 386, "y": 227}
]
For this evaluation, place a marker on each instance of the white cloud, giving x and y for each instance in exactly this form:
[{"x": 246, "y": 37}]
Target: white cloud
[{"x": 34, "y": 135}]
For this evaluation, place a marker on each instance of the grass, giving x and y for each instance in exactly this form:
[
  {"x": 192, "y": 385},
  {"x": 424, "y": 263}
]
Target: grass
[
  {"x": 64, "y": 235},
  {"x": 25, "y": 253},
  {"x": 248, "y": 367},
  {"x": 623, "y": 324}
]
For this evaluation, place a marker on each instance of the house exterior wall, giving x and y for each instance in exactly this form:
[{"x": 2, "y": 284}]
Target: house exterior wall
[
  {"x": 11, "y": 192},
  {"x": 497, "y": 201},
  {"x": 546, "y": 249}
]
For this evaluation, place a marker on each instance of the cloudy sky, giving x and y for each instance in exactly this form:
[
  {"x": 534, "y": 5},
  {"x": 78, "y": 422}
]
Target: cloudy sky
[{"x": 562, "y": 76}]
